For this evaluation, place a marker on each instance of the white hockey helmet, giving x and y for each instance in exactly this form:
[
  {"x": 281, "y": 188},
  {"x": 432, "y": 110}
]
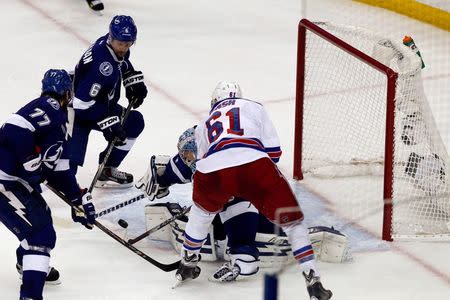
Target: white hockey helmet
[{"x": 224, "y": 90}]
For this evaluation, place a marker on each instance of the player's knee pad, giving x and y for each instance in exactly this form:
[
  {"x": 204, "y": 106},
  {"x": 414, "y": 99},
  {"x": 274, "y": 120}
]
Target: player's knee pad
[
  {"x": 297, "y": 231},
  {"x": 35, "y": 254},
  {"x": 78, "y": 145},
  {"x": 43, "y": 240},
  {"x": 200, "y": 217},
  {"x": 135, "y": 124},
  {"x": 199, "y": 222}
]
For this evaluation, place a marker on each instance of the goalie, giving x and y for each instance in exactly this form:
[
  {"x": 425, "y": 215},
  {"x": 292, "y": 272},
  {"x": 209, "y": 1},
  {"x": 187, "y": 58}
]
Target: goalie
[{"x": 251, "y": 239}]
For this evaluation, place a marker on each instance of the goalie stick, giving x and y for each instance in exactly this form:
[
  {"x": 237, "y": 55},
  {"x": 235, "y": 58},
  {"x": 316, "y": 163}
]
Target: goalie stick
[
  {"x": 109, "y": 150},
  {"x": 164, "y": 267},
  {"x": 158, "y": 227}
]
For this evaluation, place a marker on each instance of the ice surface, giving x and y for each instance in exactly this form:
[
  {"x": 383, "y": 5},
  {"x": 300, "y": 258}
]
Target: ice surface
[{"x": 184, "y": 49}]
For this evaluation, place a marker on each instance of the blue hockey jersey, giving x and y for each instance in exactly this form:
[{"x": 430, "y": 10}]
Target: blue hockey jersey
[
  {"x": 97, "y": 82},
  {"x": 37, "y": 129}
]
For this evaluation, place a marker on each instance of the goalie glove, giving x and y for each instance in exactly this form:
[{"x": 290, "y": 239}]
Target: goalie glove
[
  {"x": 135, "y": 88},
  {"x": 149, "y": 182}
]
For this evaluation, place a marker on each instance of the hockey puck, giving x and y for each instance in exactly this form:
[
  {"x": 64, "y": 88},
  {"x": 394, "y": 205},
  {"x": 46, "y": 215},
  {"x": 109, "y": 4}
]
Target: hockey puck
[{"x": 123, "y": 223}]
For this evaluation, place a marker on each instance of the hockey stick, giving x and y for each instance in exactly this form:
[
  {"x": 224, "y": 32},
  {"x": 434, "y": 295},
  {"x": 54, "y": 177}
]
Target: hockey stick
[
  {"x": 109, "y": 149},
  {"x": 119, "y": 205},
  {"x": 158, "y": 227},
  {"x": 164, "y": 267}
]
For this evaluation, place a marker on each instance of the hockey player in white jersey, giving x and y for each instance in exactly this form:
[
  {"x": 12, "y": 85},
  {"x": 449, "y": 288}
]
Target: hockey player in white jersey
[
  {"x": 237, "y": 145},
  {"x": 240, "y": 235}
]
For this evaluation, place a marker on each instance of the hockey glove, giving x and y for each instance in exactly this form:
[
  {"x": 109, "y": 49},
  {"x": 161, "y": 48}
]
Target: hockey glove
[
  {"x": 135, "y": 89},
  {"x": 111, "y": 129},
  {"x": 83, "y": 210}
]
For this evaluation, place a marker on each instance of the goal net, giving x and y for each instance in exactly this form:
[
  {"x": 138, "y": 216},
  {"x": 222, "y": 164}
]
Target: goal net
[{"x": 366, "y": 134}]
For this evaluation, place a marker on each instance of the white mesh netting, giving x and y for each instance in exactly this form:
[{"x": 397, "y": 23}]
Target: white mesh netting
[{"x": 344, "y": 124}]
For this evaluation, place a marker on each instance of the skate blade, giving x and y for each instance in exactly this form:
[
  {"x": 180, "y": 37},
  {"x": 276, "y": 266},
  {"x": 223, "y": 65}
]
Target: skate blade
[
  {"x": 222, "y": 281},
  {"x": 96, "y": 12},
  {"x": 213, "y": 279},
  {"x": 177, "y": 284},
  {"x": 112, "y": 185},
  {"x": 54, "y": 282}
]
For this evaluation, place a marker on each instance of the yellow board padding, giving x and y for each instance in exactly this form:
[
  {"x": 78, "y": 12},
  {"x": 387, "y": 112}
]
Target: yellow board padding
[{"x": 416, "y": 10}]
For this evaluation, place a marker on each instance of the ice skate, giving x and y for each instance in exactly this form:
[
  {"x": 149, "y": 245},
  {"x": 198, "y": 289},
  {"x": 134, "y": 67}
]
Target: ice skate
[
  {"x": 315, "y": 289},
  {"x": 227, "y": 272},
  {"x": 113, "y": 178},
  {"x": 95, "y": 5},
  {"x": 52, "y": 276},
  {"x": 188, "y": 268}
]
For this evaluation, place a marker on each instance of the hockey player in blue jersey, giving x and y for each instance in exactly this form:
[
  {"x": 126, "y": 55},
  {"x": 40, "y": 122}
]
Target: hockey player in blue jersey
[
  {"x": 33, "y": 149},
  {"x": 97, "y": 81}
]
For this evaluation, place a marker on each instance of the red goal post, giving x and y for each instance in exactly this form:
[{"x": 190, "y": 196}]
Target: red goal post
[{"x": 322, "y": 43}]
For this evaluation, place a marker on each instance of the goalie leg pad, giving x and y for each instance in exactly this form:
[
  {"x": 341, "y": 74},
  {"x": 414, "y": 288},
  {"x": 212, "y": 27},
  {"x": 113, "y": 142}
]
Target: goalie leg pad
[
  {"x": 274, "y": 250},
  {"x": 155, "y": 215},
  {"x": 329, "y": 244}
]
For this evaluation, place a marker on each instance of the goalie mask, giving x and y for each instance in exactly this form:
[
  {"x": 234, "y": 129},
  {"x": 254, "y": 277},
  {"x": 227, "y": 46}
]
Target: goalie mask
[
  {"x": 225, "y": 90},
  {"x": 187, "y": 148}
]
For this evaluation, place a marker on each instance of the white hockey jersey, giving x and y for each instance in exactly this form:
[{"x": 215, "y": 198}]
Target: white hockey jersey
[{"x": 237, "y": 131}]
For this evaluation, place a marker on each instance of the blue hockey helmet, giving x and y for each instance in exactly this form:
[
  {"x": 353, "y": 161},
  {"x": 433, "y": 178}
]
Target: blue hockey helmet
[
  {"x": 56, "y": 81},
  {"x": 122, "y": 28}
]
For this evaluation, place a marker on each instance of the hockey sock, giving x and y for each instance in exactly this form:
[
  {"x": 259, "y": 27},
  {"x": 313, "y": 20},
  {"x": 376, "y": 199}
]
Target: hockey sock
[
  {"x": 35, "y": 268},
  {"x": 301, "y": 247}
]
